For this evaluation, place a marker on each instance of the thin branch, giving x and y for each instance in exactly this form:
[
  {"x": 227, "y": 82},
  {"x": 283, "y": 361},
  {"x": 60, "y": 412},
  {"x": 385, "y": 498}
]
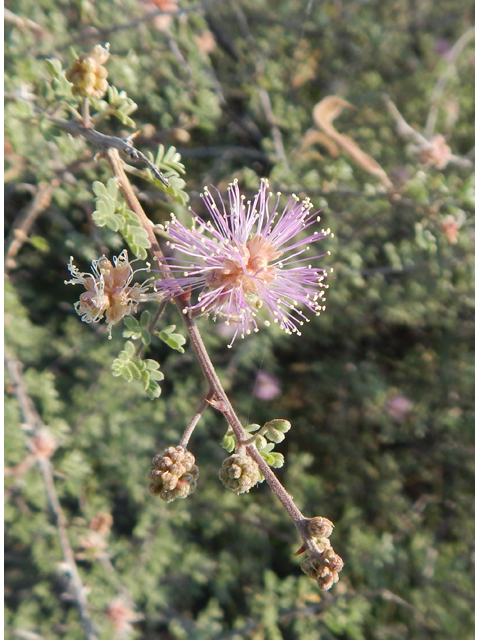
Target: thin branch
[
  {"x": 424, "y": 144},
  {"x": 152, "y": 324},
  {"x": 34, "y": 423},
  {"x": 193, "y": 422},
  {"x": 86, "y": 120},
  {"x": 103, "y": 141},
  {"x": 276, "y": 134},
  {"x": 24, "y": 24},
  {"x": 25, "y": 219},
  {"x": 443, "y": 81},
  {"x": 24, "y": 635},
  {"x": 263, "y": 93}
]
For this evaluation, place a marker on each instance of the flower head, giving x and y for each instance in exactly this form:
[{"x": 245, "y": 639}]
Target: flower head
[
  {"x": 248, "y": 258},
  {"x": 109, "y": 291},
  {"x": 87, "y": 73},
  {"x": 174, "y": 474}
]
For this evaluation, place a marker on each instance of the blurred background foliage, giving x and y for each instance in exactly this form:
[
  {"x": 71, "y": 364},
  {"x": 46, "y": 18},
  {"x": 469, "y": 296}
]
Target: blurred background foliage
[{"x": 379, "y": 389}]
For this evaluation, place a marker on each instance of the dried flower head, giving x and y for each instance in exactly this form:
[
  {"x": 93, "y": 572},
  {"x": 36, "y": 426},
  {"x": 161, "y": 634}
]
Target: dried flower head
[
  {"x": 121, "y": 615},
  {"x": 44, "y": 444},
  {"x": 436, "y": 152},
  {"x": 102, "y": 523},
  {"x": 174, "y": 474},
  {"x": 451, "y": 224},
  {"x": 88, "y": 75},
  {"x": 322, "y": 564},
  {"x": 246, "y": 259},
  {"x": 239, "y": 473},
  {"x": 109, "y": 291}
]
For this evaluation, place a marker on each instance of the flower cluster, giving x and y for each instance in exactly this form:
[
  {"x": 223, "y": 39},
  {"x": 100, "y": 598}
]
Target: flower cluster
[
  {"x": 248, "y": 258},
  {"x": 174, "y": 474},
  {"x": 322, "y": 563},
  {"x": 239, "y": 473},
  {"x": 88, "y": 75},
  {"x": 109, "y": 291}
]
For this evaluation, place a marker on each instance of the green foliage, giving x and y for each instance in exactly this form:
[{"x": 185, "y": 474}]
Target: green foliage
[
  {"x": 138, "y": 329},
  {"x": 169, "y": 164},
  {"x": 131, "y": 367},
  {"x": 273, "y": 430},
  {"x": 114, "y": 214},
  {"x": 174, "y": 340},
  {"x": 121, "y": 106}
]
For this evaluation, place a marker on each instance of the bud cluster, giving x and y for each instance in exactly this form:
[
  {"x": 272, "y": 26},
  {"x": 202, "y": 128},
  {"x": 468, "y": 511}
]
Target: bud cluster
[
  {"x": 239, "y": 473},
  {"x": 174, "y": 474},
  {"x": 88, "y": 75},
  {"x": 322, "y": 563}
]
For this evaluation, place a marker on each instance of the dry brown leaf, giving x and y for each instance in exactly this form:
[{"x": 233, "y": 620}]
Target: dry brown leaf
[
  {"x": 323, "y": 114},
  {"x": 313, "y": 136},
  {"x": 327, "y": 110}
]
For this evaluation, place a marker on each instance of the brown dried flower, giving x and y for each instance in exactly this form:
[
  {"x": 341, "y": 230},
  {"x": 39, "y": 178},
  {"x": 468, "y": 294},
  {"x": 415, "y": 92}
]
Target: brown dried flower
[
  {"x": 436, "y": 153},
  {"x": 44, "y": 444},
  {"x": 109, "y": 291}
]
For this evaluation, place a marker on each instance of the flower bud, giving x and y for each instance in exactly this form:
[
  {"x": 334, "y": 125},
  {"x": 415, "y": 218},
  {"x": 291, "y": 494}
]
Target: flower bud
[
  {"x": 87, "y": 74},
  {"x": 320, "y": 527},
  {"x": 239, "y": 473},
  {"x": 174, "y": 474}
]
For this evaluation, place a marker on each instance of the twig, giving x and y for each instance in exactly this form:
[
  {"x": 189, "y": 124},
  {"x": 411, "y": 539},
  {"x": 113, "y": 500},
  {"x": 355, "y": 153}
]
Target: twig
[
  {"x": 193, "y": 422},
  {"x": 34, "y": 422},
  {"x": 423, "y": 143},
  {"x": 24, "y": 24},
  {"x": 152, "y": 324},
  {"x": 263, "y": 93},
  {"x": 276, "y": 134},
  {"x": 443, "y": 80},
  {"x": 24, "y": 635},
  {"x": 19, "y": 232},
  {"x": 103, "y": 141},
  {"x": 86, "y": 113}
]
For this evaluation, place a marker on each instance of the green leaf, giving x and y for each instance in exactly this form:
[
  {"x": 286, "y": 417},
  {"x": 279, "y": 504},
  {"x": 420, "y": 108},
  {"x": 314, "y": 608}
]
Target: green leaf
[
  {"x": 275, "y": 429},
  {"x": 131, "y": 322},
  {"x": 229, "y": 441},
  {"x": 173, "y": 340},
  {"x": 54, "y": 66},
  {"x": 273, "y": 459},
  {"x": 145, "y": 319},
  {"x": 39, "y": 243},
  {"x": 260, "y": 442}
]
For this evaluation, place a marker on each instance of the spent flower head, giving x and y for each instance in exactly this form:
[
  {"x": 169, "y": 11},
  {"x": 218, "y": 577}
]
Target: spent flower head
[
  {"x": 109, "y": 291},
  {"x": 246, "y": 258}
]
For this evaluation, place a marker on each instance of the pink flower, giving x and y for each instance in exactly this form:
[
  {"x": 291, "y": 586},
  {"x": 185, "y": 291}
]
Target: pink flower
[
  {"x": 247, "y": 259},
  {"x": 398, "y": 407},
  {"x": 267, "y": 386}
]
